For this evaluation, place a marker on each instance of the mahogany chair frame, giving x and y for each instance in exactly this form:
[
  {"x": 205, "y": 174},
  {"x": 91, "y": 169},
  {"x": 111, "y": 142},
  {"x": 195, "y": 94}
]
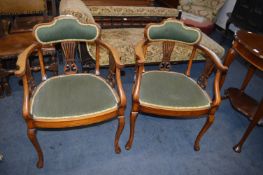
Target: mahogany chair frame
[
  {"x": 168, "y": 45},
  {"x": 68, "y": 47}
]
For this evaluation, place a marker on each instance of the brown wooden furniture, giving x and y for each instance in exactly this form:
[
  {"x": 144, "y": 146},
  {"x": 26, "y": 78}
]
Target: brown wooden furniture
[
  {"x": 170, "y": 3},
  {"x": 16, "y": 22},
  {"x": 249, "y": 46},
  {"x": 109, "y": 22},
  {"x": 119, "y": 2},
  {"x": 129, "y": 16},
  {"x": 167, "y": 93},
  {"x": 72, "y": 99}
]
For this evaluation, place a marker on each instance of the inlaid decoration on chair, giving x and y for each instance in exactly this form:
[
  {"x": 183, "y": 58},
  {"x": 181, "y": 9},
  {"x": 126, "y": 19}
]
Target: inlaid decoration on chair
[
  {"x": 72, "y": 99},
  {"x": 172, "y": 94}
]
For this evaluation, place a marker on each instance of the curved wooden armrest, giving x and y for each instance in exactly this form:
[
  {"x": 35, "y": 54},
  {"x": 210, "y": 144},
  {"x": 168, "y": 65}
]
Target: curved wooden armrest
[
  {"x": 140, "y": 52},
  {"x": 217, "y": 96},
  {"x": 213, "y": 57},
  {"x": 114, "y": 52},
  {"x": 119, "y": 65},
  {"x": 21, "y": 61}
]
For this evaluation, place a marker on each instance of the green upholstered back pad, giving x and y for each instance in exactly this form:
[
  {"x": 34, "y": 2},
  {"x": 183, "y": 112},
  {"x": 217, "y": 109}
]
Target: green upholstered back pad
[
  {"x": 175, "y": 31},
  {"x": 66, "y": 29}
]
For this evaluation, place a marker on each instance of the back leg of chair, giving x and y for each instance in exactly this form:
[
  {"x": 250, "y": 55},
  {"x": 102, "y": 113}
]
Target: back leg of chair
[
  {"x": 1, "y": 89},
  {"x": 6, "y": 86},
  {"x": 208, "y": 123},
  {"x": 31, "y": 133},
  {"x": 133, "y": 117},
  {"x": 118, "y": 134}
]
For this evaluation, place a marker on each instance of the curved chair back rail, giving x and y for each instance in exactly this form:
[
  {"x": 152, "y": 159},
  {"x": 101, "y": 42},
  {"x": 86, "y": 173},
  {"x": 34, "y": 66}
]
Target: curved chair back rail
[
  {"x": 73, "y": 99},
  {"x": 166, "y": 92},
  {"x": 66, "y": 29},
  {"x": 173, "y": 30}
]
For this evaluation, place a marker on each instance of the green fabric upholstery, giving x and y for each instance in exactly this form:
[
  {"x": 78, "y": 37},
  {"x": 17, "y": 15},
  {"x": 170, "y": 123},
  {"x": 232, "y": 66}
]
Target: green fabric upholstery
[
  {"x": 171, "y": 90},
  {"x": 73, "y": 96},
  {"x": 56, "y": 32},
  {"x": 173, "y": 30}
]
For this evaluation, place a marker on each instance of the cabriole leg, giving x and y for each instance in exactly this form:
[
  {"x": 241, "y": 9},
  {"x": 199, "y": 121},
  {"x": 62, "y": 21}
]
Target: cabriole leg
[
  {"x": 31, "y": 133},
  {"x": 133, "y": 117},
  {"x": 118, "y": 134},
  {"x": 208, "y": 123}
]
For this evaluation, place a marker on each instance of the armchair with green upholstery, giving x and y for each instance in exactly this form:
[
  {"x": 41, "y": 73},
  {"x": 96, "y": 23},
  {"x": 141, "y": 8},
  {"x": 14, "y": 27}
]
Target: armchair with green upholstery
[
  {"x": 168, "y": 93},
  {"x": 72, "y": 99},
  {"x": 204, "y": 8}
]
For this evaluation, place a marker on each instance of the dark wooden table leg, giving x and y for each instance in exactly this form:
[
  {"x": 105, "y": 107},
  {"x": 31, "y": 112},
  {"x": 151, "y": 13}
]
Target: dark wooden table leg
[
  {"x": 6, "y": 86},
  {"x": 4, "y": 83},
  {"x": 237, "y": 148},
  {"x": 248, "y": 77},
  {"x": 1, "y": 89}
]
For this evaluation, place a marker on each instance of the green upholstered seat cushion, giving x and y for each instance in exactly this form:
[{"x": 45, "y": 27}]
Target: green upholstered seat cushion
[
  {"x": 73, "y": 96},
  {"x": 171, "y": 90}
]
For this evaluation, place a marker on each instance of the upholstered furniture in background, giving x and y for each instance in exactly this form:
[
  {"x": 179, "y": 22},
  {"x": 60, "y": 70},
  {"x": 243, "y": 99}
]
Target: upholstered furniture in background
[
  {"x": 205, "y": 8},
  {"x": 124, "y": 38},
  {"x": 119, "y": 2},
  {"x": 72, "y": 99},
  {"x": 168, "y": 93}
]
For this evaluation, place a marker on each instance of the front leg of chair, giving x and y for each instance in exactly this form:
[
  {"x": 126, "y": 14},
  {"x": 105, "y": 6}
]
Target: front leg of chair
[
  {"x": 31, "y": 133},
  {"x": 208, "y": 123},
  {"x": 133, "y": 117},
  {"x": 118, "y": 134}
]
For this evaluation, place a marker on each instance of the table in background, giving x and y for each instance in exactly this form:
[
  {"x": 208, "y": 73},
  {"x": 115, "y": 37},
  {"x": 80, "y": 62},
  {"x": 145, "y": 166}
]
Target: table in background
[{"x": 249, "y": 46}]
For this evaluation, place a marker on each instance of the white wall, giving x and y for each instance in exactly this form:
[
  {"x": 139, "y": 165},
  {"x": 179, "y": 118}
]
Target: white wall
[{"x": 222, "y": 17}]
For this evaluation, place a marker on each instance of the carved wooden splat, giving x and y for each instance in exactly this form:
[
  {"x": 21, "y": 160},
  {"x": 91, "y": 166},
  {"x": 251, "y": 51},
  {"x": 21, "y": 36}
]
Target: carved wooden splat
[
  {"x": 167, "y": 51},
  {"x": 111, "y": 74},
  {"x": 69, "y": 52}
]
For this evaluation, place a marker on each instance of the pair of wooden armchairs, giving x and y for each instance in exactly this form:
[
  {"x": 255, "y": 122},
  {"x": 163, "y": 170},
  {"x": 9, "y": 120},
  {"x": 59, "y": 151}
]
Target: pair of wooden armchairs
[{"x": 73, "y": 99}]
